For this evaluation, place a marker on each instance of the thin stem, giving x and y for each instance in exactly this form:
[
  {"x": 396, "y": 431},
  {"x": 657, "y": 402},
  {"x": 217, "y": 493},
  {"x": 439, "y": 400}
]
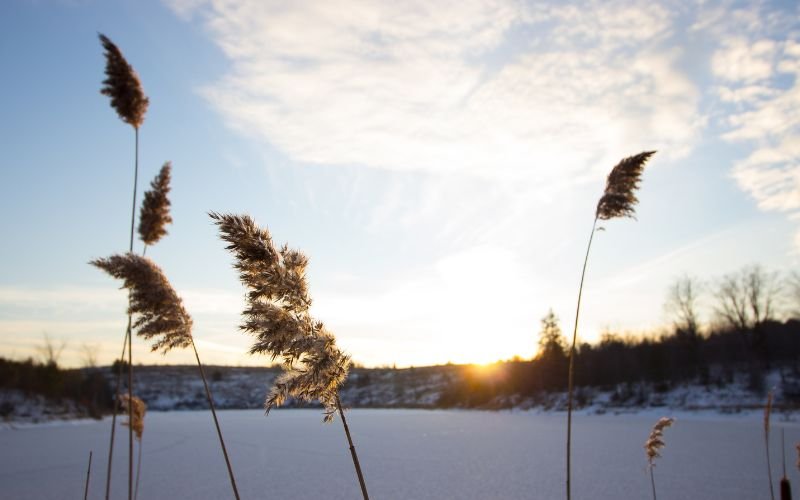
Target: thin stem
[
  {"x": 769, "y": 467},
  {"x": 138, "y": 470},
  {"x": 783, "y": 449},
  {"x": 130, "y": 415},
  {"x": 352, "y": 450},
  {"x": 216, "y": 422},
  {"x": 88, "y": 474},
  {"x": 572, "y": 362},
  {"x": 653, "y": 482},
  {"x": 130, "y": 337},
  {"x": 116, "y": 408}
]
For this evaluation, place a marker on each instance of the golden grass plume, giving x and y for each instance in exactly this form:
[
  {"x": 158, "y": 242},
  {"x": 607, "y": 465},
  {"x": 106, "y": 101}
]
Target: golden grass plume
[
  {"x": 122, "y": 85},
  {"x": 277, "y": 315},
  {"x": 619, "y": 197},
  {"x": 159, "y": 310},
  {"x": 139, "y": 408},
  {"x": 655, "y": 441},
  {"x": 154, "y": 215}
]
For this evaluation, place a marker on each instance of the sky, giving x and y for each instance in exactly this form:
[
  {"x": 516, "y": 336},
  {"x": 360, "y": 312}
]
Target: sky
[{"x": 439, "y": 162}]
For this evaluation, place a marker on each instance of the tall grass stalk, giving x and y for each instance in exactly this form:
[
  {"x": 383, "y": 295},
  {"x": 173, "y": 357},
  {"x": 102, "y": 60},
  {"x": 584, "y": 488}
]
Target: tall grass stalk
[
  {"x": 767, "y": 412},
  {"x": 786, "y": 487},
  {"x": 277, "y": 315},
  {"x": 122, "y": 85},
  {"x": 618, "y": 200},
  {"x": 88, "y": 475},
  {"x": 216, "y": 422},
  {"x": 353, "y": 453},
  {"x": 653, "y": 445},
  {"x": 160, "y": 316}
]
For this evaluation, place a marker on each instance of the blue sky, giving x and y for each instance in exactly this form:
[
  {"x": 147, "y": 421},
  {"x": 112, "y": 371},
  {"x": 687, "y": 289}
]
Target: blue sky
[{"x": 439, "y": 163}]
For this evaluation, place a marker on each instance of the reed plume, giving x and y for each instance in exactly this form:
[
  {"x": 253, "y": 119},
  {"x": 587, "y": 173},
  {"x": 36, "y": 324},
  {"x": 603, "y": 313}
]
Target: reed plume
[
  {"x": 139, "y": 408},
  {"x": 276, "y": 314},
  {"x": 767, "y": 412},
  {"x": 618, "y": 200},
  {"x": 136, "y": 409},
  {"x": 154, "y": 214},
  {"x": 122, "y": 85},
  {"x": 654, "y": 444},
  {"x": 159, "y": 311}
]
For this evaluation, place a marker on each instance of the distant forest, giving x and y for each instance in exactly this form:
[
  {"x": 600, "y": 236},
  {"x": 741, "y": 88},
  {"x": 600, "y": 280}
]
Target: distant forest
[{"x": 753, "y": 327}]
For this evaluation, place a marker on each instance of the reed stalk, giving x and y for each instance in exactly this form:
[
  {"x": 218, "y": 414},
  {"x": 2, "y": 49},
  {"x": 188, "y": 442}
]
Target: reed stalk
[
  {"x": 277, "y": 314},
  {"x": 160, "y": 317},
  {"x": 618, "y": 200},
  {"x": 216, "y": 422},
  {"x": 116, "y": 409},
  {"x": 786, "y": 487},
  {"x": 653, "y": 445},
  {"x": 122, "y": 85},
  {"x": 353, "y": 453},
  {"x": 767, "y": 412},
  {"x": 88, "y": 475}
]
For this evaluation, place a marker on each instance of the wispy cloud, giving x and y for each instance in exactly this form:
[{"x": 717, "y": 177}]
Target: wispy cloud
[
  {"x": 758, "y": 65},
  {"x": 493, "y": 88}
]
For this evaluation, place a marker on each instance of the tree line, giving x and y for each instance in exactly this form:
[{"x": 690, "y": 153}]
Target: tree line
[{"x": 752, "y": 327}]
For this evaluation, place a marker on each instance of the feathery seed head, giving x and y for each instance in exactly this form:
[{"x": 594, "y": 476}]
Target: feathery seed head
[
  {"x": 139, "y": 408},
  {"x": 159, "y": 310},
  {"x": 797, "y": 446},
  {"x": 269, "y": 274},
  {"x": 619, "y": 197},
  {"x": 655, "y": 442},
  {"x": 154, "y": 215},
  {"x": 122, "y": 85},
  {"x": 277, "y": 315}
]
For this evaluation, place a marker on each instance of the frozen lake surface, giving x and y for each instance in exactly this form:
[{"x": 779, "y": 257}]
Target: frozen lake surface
[{"x": 405, "y": 454}]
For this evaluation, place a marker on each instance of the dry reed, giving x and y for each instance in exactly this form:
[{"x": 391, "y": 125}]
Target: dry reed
[
  {"x": 122, "y": 85},
  {"x": 654, "y": 444},
  {"x": 154, "y": 214},
  {"x": 88, "y": 476},
  {"x": 276, "y": 314},
  {"x": 160, "y": 315},
  {"x": 785, "y": 485},
  {"x": 767, "y": 413},
  {"x": 618, "y": 200},
  {"x": 159, "y": 311},
  {"x": 137, "y": 409}
]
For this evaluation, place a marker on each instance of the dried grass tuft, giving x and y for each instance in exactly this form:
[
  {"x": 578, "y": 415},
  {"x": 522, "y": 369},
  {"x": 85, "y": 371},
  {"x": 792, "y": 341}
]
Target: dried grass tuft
[
  {"x": 122, "y": 85},
  {"x": 655, "y": 441},
  {"x": 139, "y": 408},
  {"x": 154, "y": 215},
  {"x": 277, "y": 315},
  {"x": 619, "y": 197},
  {"x": 159, "y": 310}
]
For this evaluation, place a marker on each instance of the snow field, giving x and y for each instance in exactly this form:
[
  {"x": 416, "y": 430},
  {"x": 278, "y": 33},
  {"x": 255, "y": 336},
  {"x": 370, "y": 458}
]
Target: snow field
[{"x": 405, "y": 454}]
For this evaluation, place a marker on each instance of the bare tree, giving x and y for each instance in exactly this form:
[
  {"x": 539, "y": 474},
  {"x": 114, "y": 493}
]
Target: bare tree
[
  {"x": 793, "y": 294},
  {"x": 682, "y": 303},
  {"x": 745, "y": 300},
  {"x": 49, "y": 352},
  {"x": 89, "y": 355}
]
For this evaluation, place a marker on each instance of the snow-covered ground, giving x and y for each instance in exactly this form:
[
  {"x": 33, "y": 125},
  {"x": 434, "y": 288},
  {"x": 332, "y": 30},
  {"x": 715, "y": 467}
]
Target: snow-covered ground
[{"x": 406, "y": 454}]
